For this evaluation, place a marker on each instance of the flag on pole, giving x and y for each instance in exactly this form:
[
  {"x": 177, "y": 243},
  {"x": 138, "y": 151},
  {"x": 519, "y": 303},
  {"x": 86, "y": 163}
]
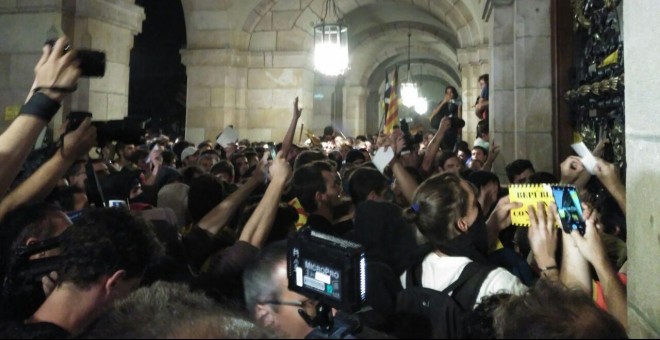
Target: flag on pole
[
  {"x": 392, "y": 112},
  {"x": 386, "y": 96}
]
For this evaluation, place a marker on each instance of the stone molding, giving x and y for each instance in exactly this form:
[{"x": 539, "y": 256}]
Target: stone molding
[
  {"x": 236, "y": 58},
  {"x": 473, "y": 56},
  {"x": 120, "y": 13}
]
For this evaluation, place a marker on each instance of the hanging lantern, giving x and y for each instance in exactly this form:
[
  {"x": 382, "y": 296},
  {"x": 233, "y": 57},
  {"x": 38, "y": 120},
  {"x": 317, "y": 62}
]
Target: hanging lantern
[
  {"x": 409, "y": 92},
  {"x": 331, "y": 44}
]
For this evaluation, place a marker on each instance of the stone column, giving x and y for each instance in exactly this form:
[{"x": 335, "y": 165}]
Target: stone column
[
  {"x": 91, "y": 24},
  {"x": 217, "y": 92},
  {"x": 642, "y": 181},
  {"x": 355, "y": 108},
  {"x": 520, "y": 83},
  {"x": 254, "y": 91},
  {"x": 272, "y": 89}
]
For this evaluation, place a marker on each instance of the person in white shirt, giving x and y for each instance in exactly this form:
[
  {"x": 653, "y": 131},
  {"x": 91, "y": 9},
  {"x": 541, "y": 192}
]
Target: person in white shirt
[{"x": 444, "y": 208}]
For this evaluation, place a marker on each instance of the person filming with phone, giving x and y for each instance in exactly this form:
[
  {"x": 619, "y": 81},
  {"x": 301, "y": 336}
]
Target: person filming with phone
[{"x": 451, "y": 107}]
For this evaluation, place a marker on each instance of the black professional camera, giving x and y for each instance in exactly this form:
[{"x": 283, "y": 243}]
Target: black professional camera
[
  {"x": 129, "y": 130},
  {"x": 410, "y": 139},
  {"x": 91, "y": 63},
  {"x": 332, "y": 271},
  {"x": 24, "y": 274}
]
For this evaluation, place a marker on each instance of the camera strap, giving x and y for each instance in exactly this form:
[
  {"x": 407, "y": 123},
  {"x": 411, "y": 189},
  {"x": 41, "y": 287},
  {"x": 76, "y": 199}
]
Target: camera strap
[{"x": 41, "y": 106}]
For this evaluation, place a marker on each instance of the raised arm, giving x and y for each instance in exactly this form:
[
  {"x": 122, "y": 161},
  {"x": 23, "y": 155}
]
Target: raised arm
[
  {"x": 499, "y": 220},
  {"x": 481, "y": 106},
  {"x": 575, "y": 271},
  {"x": 54, "y": 72},
  {"x": 41, "y": 183},
  {"x": 492, "y": 156},
  {"x": 218, "y": 217},
  {"x": 592, "y": 249},
  {"x": 405, "y": 180},
  {"x": 290, "y": 133},
  {"x": 259, "y": 225},
  {"x": 608, "y": 174},
  {"x": 543, "y": 239},
  {"x": 434, "y": 145}
]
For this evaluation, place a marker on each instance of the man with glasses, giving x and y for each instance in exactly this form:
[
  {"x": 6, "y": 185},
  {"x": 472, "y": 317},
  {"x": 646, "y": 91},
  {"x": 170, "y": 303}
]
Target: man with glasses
[{"x": 268, "y": 298}]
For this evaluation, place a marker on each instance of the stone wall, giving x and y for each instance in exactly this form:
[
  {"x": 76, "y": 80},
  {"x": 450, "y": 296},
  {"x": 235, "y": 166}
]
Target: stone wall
[
  {"x": 91, "y": 24},
  {"x": 521, "y": 83},
  {"x": 642, "y": 43}
]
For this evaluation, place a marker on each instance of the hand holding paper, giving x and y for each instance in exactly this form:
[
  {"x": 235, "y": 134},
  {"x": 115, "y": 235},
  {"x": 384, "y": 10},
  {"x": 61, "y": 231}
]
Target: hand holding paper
[
  {"x": 587, "y": 158},
  {"x": 383, "y": 157}
]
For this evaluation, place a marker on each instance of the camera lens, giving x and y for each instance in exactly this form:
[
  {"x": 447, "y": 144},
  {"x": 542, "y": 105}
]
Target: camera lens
[{"x": 92, "y": 63}]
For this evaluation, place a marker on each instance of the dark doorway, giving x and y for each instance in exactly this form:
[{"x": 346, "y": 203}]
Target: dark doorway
[{"x": 157, "y": 87}]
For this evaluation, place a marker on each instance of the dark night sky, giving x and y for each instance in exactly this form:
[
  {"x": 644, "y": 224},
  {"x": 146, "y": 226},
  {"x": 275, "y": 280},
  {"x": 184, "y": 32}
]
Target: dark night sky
[{"x": 157, "y": 86}]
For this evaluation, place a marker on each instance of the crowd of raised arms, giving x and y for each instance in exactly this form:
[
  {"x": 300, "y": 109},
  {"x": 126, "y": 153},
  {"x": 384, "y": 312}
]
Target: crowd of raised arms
[{"x": 195, "y": 245}]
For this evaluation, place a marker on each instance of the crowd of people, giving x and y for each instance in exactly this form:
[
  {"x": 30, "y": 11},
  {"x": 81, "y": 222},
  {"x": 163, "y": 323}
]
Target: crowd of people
[{"x": 171, "y": 239}]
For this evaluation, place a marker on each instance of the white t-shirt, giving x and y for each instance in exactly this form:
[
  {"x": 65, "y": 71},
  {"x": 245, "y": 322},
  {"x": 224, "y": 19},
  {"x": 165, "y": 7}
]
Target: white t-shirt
[{"x": 438, "y": 272}]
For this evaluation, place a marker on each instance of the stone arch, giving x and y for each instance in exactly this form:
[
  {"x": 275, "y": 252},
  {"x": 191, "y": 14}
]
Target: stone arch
[
  {"x": 460, "y": 16},
  {"x": 438, "y": 69}
]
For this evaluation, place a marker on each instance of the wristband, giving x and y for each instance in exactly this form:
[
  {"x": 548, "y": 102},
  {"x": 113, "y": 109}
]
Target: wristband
[{"x": 41, "y": 106}]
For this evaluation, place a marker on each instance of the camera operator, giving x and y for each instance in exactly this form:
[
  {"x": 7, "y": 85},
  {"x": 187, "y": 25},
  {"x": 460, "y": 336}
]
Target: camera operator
[
  {"x": 104, "y": 256},
  {"x": 450, "y": 106},
  {"x": 74, "y": 146},
  {"x": 268, "y": 298},
  {"x": 56, "y": 74}
]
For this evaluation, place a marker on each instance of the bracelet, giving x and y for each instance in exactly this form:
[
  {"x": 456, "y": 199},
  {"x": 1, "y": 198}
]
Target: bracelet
[{"x": 41, "y": 106}]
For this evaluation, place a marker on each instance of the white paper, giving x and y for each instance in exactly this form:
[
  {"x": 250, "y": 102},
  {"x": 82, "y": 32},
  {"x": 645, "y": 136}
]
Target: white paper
[
  {"x": 383, "y": 158},
  {"x": 586, "y": 156},
  {"x": 228, "y": 136}
]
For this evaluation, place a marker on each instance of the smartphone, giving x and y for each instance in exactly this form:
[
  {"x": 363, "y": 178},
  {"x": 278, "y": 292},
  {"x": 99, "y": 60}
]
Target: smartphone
[
  {"x": 273, "y": 152},
  {"x": 569, "y": 207},
  {"x": 117, "y": 204}
]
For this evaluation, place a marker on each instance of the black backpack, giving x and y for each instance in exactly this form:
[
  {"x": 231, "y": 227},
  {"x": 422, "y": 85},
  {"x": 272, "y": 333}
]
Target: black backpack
[{"x": 429, "y": 313}]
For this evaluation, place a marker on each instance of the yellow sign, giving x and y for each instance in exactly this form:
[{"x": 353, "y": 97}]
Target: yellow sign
[
  {"x": 528, "y": 194},
  {"x": 11, "y": 112}
]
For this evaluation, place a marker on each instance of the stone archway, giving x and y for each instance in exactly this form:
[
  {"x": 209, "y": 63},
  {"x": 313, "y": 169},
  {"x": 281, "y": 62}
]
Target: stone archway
[{"x": 263, "y": 49}]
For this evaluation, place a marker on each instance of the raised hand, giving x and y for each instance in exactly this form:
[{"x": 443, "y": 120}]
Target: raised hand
[
  {"x": 297, "y": 112},
  {"x": 77, "y": 143},
  {"x": 590, "y": 245},
  {"x": 500, "y": 219},
  {"x": 494, "y": 152},
  {"x": 57, "y": 68},
  {"x": 543, "y": 233},
  {"x": 573, "y": 172},
  {"x": 280, "y": 169},
  {"x": 607, "y": 173},
  {"x": 445, "y": 124}
]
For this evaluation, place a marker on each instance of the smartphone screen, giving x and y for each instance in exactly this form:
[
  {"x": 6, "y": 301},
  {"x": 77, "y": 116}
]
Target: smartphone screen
[
  {"x": 273, "y": 152},
  {"x": 116, "y": 204},
  {"x": 569, "y": 207}
]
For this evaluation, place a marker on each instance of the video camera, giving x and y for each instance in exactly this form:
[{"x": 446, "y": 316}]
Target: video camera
[
  {"x": 408, "y": 137},
  {"x": 129, "y": 130},
  {"x": 332, "y": 271},
  {"x": 24, "y": 274},
  {"x": 91, "y": 63}
]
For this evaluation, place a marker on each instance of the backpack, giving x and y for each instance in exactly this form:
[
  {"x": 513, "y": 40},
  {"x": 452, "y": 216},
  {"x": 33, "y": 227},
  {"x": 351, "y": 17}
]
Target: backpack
[{"x": 429, "y": 313}]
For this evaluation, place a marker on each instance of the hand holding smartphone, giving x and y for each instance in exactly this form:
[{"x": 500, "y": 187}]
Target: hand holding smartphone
[
  {"x": 569, "y": 208},
  {"x": 565, "y": 197}
]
